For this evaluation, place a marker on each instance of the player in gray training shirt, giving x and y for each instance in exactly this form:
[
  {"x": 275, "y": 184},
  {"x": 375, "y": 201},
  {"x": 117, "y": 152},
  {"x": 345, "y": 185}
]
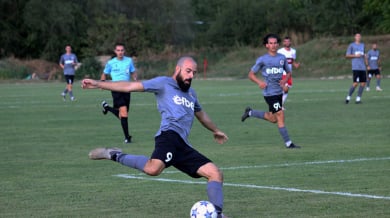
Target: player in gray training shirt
[
  {"x": 373, "y": 63},
  {"x": 355, "y": 52},
  {"x": 68, "y": 63},
  {"x": 178, "y": 105},
  {"x": 271, "y": 65}
]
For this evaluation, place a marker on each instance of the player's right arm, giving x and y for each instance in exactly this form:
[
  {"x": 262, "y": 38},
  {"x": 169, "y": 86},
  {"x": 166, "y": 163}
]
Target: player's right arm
[
  {"x": 113, "y": 86},
  {"x": 252, "y": 76}
]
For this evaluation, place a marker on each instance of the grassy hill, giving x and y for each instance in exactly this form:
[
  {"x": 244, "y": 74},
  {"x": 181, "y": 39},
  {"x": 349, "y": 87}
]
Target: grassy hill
[{"x": 319, "y": 58}]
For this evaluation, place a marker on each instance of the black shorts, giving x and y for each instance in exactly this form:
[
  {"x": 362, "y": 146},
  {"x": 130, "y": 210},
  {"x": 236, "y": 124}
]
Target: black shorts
[
  {"x": 69, "y": 79},
  {"x": 274, "y": 102},
  {"x": 121, "y": 99},
  {"x": 173, "y": 151},
  {"x": 373, "y": 72},
  {"x": 359, "y": 76}
]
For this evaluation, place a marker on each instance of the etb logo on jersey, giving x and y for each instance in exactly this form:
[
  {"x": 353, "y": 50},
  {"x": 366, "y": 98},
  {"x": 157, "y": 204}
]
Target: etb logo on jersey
[
  {"x": 183, "y": 101},
  {"x": 274, "y": 70}
]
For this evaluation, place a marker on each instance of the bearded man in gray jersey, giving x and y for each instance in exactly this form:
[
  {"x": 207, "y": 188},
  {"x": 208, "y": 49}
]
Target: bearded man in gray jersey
[
  {"x": 178, "y": 104},
  {"x": 271, "y": 65}
]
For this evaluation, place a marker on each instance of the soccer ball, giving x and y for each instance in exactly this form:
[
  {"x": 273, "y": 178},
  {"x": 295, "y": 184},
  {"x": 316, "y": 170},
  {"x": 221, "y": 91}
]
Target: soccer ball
[{"x": 203, "y": 209}]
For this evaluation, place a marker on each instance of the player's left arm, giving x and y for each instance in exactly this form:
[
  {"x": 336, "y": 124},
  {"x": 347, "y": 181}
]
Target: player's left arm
[
  {"x": 219, "y": 136},
  {"x": 296, "y": 64},
  {"x": 134, "y": 76}
]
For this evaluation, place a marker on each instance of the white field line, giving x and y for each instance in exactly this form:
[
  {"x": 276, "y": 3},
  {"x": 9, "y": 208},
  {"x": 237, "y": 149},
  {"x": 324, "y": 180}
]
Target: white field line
[{"x": 251, "y": 186}]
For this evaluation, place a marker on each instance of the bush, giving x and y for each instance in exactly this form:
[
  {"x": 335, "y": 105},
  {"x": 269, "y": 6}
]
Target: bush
[
  {"x": 90, "y": 68},
  {"x": 10, "y": 71}
]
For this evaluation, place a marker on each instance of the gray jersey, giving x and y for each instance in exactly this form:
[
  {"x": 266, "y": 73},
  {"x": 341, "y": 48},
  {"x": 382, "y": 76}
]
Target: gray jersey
[
  {"x": 69, "y": 61},
  {"x": 373, "y": 58},
  {"x": 355, "y": 49},
  {"x": 272, "y": 68},
  {"x": 177, "y": 108}
]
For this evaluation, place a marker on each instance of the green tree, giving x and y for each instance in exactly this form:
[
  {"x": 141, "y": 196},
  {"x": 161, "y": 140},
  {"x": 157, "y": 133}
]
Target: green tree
[{"x": 51, "y": 25}]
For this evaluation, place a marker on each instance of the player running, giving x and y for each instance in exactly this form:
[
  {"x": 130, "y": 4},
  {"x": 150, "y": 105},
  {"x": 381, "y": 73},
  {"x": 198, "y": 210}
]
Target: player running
[{"x": 271, "y": 66}]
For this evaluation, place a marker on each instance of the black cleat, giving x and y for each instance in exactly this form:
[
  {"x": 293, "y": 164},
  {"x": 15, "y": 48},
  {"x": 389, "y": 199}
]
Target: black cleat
[
  {"x": 246, "y": 114},
  {"x": 346, "y": 101},
  {"x": 292, "y": 145},
  {"x": 128, "y": 140},
  {"x": 105, "y": 106}
]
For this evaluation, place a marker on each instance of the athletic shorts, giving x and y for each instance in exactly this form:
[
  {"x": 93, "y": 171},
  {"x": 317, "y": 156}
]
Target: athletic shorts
[
  {"x": 373, "y": 72},
  {"x": 69, "y": 79},
  {"x": 173, "y": 151},
  {"x": 359, "y": 76},
  {"x": 121, "y": 99},
  {"x": 274, "y": 102},
  {"x": 289, "y": 81}
]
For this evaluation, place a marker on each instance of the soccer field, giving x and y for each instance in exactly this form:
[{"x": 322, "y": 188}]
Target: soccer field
[{"x": 342, "y": 169}]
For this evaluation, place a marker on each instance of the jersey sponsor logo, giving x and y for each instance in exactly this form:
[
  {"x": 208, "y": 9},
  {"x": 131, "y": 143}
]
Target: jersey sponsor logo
[
  {"x": 274, "y": 70},
  {"x": 183, "y": 101}
]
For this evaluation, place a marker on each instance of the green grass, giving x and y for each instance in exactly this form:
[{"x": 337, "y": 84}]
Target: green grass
[{"x": 45, "y": 170}]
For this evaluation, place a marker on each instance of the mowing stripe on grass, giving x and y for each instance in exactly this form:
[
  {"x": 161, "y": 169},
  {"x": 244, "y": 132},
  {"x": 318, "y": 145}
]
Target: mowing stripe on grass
[
  {"x": 346, "y": 194},
  {"x": 289, "y": 164},
  {"x": 306, "y": 163}
]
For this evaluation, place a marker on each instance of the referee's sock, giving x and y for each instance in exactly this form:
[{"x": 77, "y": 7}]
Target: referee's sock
[
  {"x": 113, "y": 111},
  {"x": 125, "y": 127}
]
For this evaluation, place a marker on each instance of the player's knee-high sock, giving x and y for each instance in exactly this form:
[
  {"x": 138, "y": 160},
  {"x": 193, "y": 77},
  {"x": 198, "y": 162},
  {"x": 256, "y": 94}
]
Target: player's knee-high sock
[
  {"x": 284, "y": 97},
  {"x": 125, "y": 127},
  {"x": 351, "y": 90},
  {"x": 360, "y": 91},
  {"x": 378, "y": 82},
  {"x": 65, "y": 91},
  {"x": 134, "y": 161},
  {"x": 286, "y": 138},
  {"x": 71, "y": 93},
  {"x": 257, "y": 114},
  {"x": 215, "y": 194},
  {"x": 113, "y": 111},
  {"x": 368, "y": 83}
]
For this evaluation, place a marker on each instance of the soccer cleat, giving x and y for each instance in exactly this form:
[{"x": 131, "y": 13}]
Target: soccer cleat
[
  {"x": 103, "y": 153},
  {"x": 246, "y": 114},
  {"x": 105, "y": 106},
  {"x": 347, "y": 99},
  {"x": 367, "y": 89},
  {"x": 358, "y": 101},
  {"x": 292, "y": 145},
  {"x": 378, "y": 89},
  {"x": 128, "y": 140},
  {"x": 63, "y": 96},
  {"x": 72, "y": 98}
]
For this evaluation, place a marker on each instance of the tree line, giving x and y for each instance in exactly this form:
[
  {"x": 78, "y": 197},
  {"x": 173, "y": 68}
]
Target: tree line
[{"x": 41, "y": 29}]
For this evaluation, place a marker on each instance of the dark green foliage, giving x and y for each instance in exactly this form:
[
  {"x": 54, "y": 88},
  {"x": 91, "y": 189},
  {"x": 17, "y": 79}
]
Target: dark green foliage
[
  {"x": 90, "y": 68},
  {"x": 11, "y": 71},
  {"x": 40, "y": 29}
]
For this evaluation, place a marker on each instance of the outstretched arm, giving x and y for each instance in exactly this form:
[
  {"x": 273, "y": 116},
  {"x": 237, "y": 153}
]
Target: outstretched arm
[
  {"x": 205, "y": 120},
  {"x": 113, "y": 86}
]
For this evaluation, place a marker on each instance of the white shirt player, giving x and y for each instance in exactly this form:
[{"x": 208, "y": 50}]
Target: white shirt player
[{"x": 290, "y": 55}]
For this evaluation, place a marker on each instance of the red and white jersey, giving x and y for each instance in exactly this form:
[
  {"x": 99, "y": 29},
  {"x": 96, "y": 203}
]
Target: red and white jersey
[{"x": 291, "y": 55}]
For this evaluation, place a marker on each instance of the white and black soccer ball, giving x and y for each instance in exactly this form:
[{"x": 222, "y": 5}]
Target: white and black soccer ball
[{"x": 203, "y": 209}]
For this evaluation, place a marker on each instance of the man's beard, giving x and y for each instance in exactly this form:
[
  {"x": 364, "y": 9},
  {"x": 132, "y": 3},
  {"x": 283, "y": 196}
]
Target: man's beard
[{"x": 182, "y": 85}]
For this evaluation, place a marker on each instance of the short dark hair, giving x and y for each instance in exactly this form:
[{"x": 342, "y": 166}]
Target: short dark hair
[
  {"x": 271, "y": 35},
  {"x": 119, "y": 44},
  {"x": 287, "y": 37}
]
